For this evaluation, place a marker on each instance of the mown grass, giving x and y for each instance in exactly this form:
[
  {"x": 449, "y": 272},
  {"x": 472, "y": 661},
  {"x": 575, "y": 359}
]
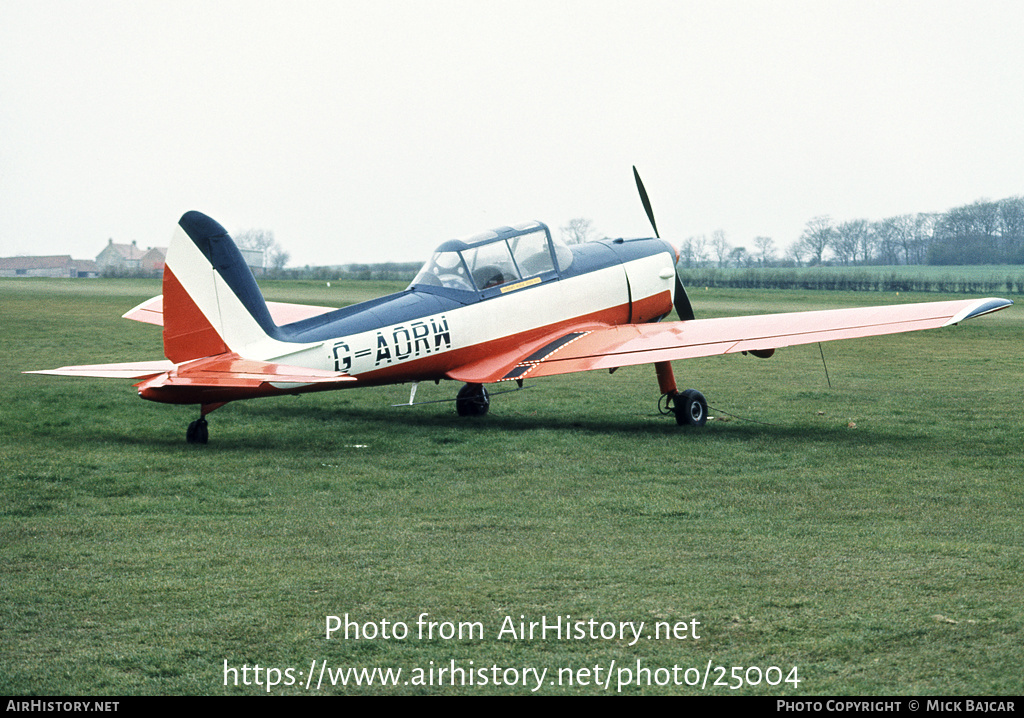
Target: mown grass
[{"x": 869, "y": 533}]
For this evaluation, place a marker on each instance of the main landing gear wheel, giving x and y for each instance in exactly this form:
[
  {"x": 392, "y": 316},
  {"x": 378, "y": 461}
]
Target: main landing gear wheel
[
  {"x": 472, "y": 400},
  {"x": 690, "y": 408},
  {"x": 197, "y": 433}
]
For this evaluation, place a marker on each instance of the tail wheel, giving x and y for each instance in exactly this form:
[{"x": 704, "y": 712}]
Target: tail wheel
[
  {"x": 690, "y": 408},
  {"x": 198, "y": 432},
  {"x": 472, "y": 400}
]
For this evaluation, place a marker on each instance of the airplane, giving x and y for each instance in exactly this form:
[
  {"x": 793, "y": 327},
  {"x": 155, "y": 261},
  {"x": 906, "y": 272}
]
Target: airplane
[{"x": 506, "y": 305}]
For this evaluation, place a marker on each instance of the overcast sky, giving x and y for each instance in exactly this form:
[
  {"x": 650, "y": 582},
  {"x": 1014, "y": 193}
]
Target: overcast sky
[{"x": 372, "y": 131}]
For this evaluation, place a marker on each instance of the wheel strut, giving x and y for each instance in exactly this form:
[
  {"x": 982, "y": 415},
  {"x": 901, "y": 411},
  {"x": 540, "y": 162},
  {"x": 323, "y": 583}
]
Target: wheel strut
[
  {"x": 198, "y": 432},
  {"x": 689, "y": 406}
]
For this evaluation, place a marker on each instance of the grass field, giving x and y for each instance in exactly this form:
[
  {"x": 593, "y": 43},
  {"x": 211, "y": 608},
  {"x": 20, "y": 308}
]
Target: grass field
[{"x": 869, "y": 535}]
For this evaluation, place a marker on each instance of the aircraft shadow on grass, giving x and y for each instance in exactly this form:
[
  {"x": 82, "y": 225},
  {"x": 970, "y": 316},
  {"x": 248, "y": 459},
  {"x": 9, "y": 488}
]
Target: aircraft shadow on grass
[{"x": 386, "y": 427}]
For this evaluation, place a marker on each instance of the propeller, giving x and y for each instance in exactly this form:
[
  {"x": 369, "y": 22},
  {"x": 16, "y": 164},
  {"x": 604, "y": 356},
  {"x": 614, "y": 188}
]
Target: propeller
[
  {"x": 646, "y": 200},
  {"x": 682, "y": 302}
]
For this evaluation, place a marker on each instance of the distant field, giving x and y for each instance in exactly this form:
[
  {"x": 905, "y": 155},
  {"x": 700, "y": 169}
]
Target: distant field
[
  {"x": 982, "y": 279},
  {"x": 868, "y": 535}
]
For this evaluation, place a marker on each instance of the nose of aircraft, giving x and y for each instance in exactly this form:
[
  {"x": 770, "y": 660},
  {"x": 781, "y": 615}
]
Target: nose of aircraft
[{"x": 674, "y": 247}]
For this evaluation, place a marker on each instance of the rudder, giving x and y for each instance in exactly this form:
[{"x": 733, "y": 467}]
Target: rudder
[{"x": 211, "y": 302}]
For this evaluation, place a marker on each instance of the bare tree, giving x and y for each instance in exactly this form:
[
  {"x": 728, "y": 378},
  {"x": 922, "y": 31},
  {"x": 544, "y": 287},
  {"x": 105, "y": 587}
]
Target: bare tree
[
  {"x": 903, "y": 227},
  {"x": 796, "y": 253},
  {"x": 765, "y": 250},
  {"x": 817, "y": 237},
  {"x": 578, "y": 231},
  {"x": 278, "y": 259},
  {"x": 700, "y": 250},
  {"x": 968, "y": 235},
  {"x": 906, "y": 237},
  {"x": 924, "y": 232},
  {"x": 686, "y": 254},
  {"x": 888, "y": 242},
  {"x": 867, "y": 241},
  {"x": 720, "y": 247},
  {"x": 847, "y": 240},
  {"x": 262, "y": 240},
  {"x": 1011, "y": 229}
]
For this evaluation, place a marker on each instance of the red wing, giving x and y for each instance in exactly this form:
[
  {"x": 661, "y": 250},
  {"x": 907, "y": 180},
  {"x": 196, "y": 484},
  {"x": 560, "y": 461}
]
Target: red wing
[
  {"x": 496, "y": 366},
  {"x": 615, "y": 346}
]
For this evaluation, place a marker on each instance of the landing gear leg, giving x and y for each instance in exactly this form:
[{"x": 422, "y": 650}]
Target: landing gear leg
[
  {"x": 198, "y": 432},
  {"x": 472, "y": 400},
  {"x": 666, "y": 378}
]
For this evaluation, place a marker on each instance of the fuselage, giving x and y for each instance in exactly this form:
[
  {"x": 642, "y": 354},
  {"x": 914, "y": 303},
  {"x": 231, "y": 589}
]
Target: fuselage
[{"x": 470, "y": 304}]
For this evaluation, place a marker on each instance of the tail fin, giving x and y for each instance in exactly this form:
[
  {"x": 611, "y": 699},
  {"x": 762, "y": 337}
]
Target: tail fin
[{"x": 211, "y": 301}]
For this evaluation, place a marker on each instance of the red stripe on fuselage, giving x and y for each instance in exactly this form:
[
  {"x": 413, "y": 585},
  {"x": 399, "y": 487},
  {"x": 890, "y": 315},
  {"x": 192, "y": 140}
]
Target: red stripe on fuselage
[
  {"x": 652, "y": 308},
  {"x": 491, "y": 359}
]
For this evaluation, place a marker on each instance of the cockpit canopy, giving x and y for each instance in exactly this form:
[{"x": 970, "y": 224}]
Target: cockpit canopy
[{"x": 495, "y": 258}]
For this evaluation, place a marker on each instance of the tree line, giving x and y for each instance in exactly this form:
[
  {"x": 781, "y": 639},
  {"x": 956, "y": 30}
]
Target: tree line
[
  {"x": 983, "y": 232},
  {"x": 383, "y": 271}
]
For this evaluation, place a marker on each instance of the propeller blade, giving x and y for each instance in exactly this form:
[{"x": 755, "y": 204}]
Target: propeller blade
[
  {"x": 646, "y": 201},
  {"x": 682, "y": 302}
]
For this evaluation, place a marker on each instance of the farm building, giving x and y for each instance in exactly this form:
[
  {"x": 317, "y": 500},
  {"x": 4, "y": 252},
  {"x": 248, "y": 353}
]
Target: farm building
[
  {"x": 130, "y": 258},
  {"x": 53, "y": 266}
]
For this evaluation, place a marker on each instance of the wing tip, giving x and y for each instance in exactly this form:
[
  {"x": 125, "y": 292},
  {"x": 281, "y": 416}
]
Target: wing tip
[{"x": 976, "y": 309}]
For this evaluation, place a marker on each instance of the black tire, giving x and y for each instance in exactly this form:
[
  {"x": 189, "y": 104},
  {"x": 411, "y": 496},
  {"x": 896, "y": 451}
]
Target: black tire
[
  {"x": 472, "y": 400},
  {"x": 198, "y": 432},
  {"x": 691, "y": 408}
]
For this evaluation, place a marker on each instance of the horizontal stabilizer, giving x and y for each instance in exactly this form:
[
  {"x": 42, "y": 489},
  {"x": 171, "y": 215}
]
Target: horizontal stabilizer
[
  {"x": 151, "y": 311},
  {"x": 125, "y": 370},
  {"x": 231, "y": 370},
  {"x": 228, "y": 377},
  {"x": 224, "y": 370}
]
